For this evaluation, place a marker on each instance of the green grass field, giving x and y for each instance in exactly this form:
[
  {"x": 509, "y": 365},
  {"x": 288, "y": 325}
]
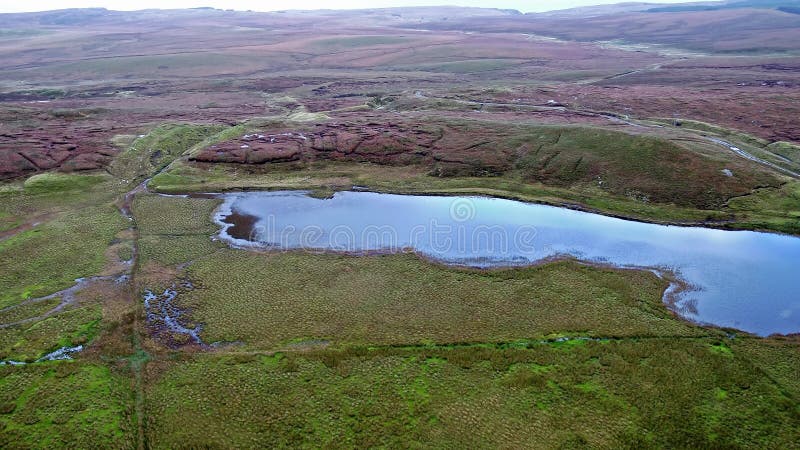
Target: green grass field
[
  {"x": 78, "y": 223},
  {"x": 65, "y": 405},
  {"x": 154, "y": 151},
  {"x": 380, "y": 351},
  {"x": 281, "y": 298},
  {"x": 656, "y": 393},
  {"x": 329, "y": 350}
]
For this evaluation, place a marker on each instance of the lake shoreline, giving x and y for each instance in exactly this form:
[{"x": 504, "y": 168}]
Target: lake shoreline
[
  {"x": 722, "y": 224},
  {"x": 675, "y": 296}
]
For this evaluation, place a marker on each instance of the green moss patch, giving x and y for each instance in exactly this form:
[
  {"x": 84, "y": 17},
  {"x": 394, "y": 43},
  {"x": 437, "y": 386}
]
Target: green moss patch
[
  {"x": 600, "y": 396},
  {"x": 65, "y": 405}
]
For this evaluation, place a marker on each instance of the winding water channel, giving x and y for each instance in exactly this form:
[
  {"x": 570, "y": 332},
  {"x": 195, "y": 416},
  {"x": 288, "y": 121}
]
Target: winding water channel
[{"x": 740, "y": 279}]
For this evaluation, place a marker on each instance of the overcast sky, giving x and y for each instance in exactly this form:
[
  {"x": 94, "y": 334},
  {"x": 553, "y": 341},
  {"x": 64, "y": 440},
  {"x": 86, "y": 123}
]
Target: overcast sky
[{"x": 274, "y": 5}]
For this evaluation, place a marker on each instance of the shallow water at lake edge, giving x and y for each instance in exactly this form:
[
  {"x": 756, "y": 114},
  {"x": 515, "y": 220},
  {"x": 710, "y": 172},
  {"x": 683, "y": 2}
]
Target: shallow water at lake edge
[{"x": 741, "y": 279}]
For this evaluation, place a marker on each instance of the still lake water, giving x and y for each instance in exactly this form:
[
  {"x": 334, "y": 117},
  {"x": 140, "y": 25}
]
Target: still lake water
[{"x": 742, "y": 279}]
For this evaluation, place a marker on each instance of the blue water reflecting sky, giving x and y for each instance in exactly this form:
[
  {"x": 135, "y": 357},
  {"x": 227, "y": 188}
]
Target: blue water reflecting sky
[{"x": 744, "y": 279}]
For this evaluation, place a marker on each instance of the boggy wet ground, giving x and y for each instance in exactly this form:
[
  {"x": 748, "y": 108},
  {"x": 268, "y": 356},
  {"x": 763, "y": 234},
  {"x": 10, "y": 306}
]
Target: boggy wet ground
[
  {"x": 737, "y": 279},
  {"x": 166, "y": 321},
  {"x": 67, "y": 297},
  {"x": 63, "y": 353}
]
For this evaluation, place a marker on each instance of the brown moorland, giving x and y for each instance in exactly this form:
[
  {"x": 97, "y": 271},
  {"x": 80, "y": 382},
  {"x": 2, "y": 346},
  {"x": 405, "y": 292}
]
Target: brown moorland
[{"x": 680, "y": 116}]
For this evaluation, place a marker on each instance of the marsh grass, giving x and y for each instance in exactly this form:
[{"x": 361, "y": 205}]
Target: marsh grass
[
  {"x": 639, "y": 393},
  {"x": 775, "y": 209},
  {"x": 73, "y": 225},
  {"x": 23, "y": 312},
  {"x": 174, "y": 250},
  {"x": 49, "y": 257},
  {"x": 174, "y": 216},
  {"x": 394, "y": 351},
  {"x": 31, "y": 341},
  {"x": 266, "y": 300},
  {"x": 65, "y": 404},
  {"x": 344, "y": 351}
]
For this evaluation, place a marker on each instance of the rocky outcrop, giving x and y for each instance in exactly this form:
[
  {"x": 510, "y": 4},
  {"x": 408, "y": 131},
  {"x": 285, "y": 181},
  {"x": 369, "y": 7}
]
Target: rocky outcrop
[
  {"x": 444, "y": 148},
  {"x": 52, "y": 143}
]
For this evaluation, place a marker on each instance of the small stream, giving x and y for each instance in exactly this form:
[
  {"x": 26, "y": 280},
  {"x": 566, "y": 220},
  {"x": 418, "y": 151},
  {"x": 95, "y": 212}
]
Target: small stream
[
  {"x": 67, "y": 297},
  {"x": 751, "y": 157},
  {"x": 165, "y": 318},
  {"x": 62, "y": 354}
]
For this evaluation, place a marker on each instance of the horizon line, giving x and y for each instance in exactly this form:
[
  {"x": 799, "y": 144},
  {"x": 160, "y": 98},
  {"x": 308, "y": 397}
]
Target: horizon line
[{"x": 488, "y": 8}]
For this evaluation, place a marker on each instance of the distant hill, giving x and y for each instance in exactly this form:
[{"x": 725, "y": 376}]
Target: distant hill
[
  {"x": 736, "y": 4},
  {"x": 617, "y": 8},
  {"x": 740, "y": 30},
  {"x": 102, "y": 16},
  {"x": 733, "y": 27}
]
